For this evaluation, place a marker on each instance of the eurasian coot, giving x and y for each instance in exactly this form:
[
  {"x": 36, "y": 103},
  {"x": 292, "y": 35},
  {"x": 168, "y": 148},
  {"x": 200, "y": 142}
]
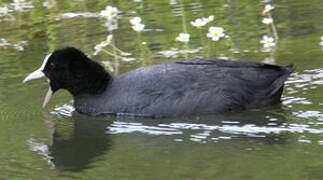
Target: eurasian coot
[{"x": 189, "y": 87}]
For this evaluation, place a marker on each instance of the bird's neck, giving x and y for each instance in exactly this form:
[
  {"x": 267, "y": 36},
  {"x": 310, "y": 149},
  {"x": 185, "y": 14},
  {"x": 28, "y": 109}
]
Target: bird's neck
[
  {"x": 90, "y": 85},
  {"x": 92, "y": 80}
]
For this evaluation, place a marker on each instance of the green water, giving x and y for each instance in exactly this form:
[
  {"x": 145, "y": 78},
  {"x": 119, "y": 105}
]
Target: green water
[{"x": 283, "y": 142}]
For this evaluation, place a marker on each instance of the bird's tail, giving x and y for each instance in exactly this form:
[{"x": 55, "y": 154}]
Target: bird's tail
[
  {"x": 278, "y": 84},
  {"x": 290, "y": 68}
]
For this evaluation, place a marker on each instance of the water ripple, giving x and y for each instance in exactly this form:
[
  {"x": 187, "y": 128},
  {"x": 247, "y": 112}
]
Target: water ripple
[
  {"x": 41, "y": 148},
  {"x": 299, "y": 84},
  {"x": 309, "y": 114},
  {"x": 123, "y": 127},
  {"x": 309, "y": 79},
  {"x": 64, "y": 110},
  {"x": 174, "y": 52},
  {"x": 204, "y": 132}
]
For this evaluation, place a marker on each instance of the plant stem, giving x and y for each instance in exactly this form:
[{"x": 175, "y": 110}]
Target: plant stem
[
  {"x": 183, "y": 17},
  {"x": 120, "y": 51},
  {"x": 273, "y": 27},
  {"x": 111, "y": 54}
]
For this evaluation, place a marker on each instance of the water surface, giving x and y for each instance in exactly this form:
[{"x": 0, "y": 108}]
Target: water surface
[{"x": 283, "y": 142}]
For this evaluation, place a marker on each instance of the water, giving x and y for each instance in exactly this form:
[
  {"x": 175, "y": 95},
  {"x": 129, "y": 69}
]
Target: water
[{"x": 284, "y": 142}]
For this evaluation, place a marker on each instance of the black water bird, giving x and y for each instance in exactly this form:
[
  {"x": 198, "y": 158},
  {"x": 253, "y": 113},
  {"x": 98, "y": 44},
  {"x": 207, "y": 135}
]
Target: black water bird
[{"x": 190, "y": 87}]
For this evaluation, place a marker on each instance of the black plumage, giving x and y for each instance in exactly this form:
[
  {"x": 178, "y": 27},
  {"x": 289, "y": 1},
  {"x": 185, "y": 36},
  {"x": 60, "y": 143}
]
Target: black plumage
[{"x": 189, "y": 87}]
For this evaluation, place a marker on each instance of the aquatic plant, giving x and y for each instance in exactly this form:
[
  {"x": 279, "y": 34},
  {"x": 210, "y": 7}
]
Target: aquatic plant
[
  {"x": 135, "y": 20},
  {"x": 49, "y": 4},
  {"x": 110, "y": 14},
  {"x": 21, "y": 5},
  {"x": 267, "y": 9},
  {"x": 99, "y": 47},
  {"x": 267, "y": 20},
  {"x": 5, "y": 14},
  {"x": 111, "y": 24},
  {"x": 138, "y": 27},
  {"x": 208, "y": 19},
  {"x": 215, "y": 33},
  {"x": 136, "y": 24},
  {"x": 183, "y": 37},
  {"x": 199, "y": 23},
  {"x": 268, "y": 41},
  {"x": 4, "y": 11}
]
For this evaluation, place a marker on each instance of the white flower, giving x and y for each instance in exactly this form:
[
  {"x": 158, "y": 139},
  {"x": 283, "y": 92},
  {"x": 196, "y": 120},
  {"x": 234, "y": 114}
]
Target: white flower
[
  {"x": 20, "y": 5},
  {"x": 135, "y": 20},
  {"x": 321, "y": 43},
  {"x": 109, "y": 12},
  {"x": 4, "y": 10},
  {"x": 49, "y": 3},
  {"x": 138, "y": 27},
  {"x": 267, "y": 20},
  {"x": 172, "y": 2},
  {"x": 4, "y": 42},
  {"x": 18, "y": 1},
  {"x": 17, "y": 47},
  {"x": 109, "y": 39},
  {"x": 267, "y": 41},
  {"x": 215, "y": 33},
  {"x": 183, "y": 37},
  {"x": 208, "y": 19},
  {"x": 268, "y": 8},
  {"x": 199, "y": 22},
  {"x": 136, "y": 24},
  {"x": 111, "y": 24}
]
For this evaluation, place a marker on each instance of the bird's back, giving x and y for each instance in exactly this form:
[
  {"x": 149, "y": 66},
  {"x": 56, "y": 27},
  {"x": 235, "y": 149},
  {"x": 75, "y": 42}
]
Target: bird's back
[{"x": 195, "y": 86}]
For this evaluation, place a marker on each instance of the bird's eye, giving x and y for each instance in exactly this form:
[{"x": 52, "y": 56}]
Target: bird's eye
[{"x": 51, "y": 65}]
